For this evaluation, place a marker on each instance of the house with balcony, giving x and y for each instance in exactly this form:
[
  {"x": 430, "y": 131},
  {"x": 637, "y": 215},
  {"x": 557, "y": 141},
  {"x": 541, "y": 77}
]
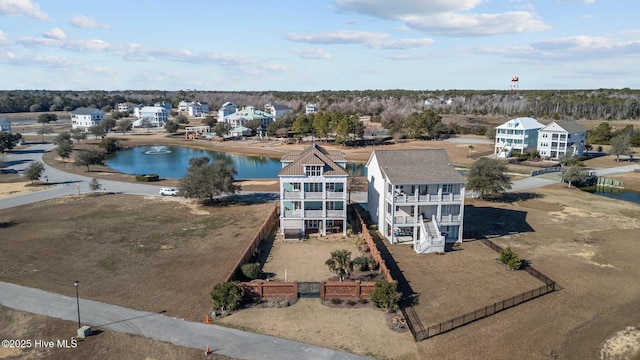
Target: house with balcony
[
  {"x": 277, "y": 109},
  {"x": 151, "y": 116},
  {"x": 248, "y": 113},
  {"x": 560, "y": 138},
  {"x": 519, "y": 134},
  {"x": 84, "y": 118},
  {"x": 313, "y": 192},
  {"x": 311, "y": 109},
  {"x": 416, "y": 197}
]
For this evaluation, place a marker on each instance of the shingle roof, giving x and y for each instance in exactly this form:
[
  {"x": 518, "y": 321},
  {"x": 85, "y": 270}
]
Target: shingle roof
[
  {"x": 313, "y": 155},
  {"x": 85, "y": 111},
  {"x": 417, "y": 166},
  {"x": 522, "y": 123},
  {"x": 570, "y": 126}
]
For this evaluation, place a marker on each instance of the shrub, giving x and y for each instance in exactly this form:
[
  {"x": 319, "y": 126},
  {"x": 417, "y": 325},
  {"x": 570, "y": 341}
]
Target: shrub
[
  {"x": 226, "y": 296},
  {"x": 361, "y": 263},
  {"x": 363, "y": 301},
  {"x": 351, "y": 303},
  {"x": 510, "y": 259},
  {"x": 336, "y": 301},
  {"x": 283, "y": 304},
  {"x": 148, "y": 177},
  {"x": 373, "y": 264},
  {"x": 252, "y": 271},
  {"x": 110, "y": 145},
  {"x": 386, "y": 296}
]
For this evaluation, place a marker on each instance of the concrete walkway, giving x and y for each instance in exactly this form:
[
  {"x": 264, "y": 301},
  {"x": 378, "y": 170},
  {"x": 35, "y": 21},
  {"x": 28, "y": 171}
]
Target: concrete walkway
[{"x": 225, "y": 341}]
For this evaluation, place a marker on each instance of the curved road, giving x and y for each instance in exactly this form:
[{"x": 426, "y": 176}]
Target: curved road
[{"x": 225, "y": 341}]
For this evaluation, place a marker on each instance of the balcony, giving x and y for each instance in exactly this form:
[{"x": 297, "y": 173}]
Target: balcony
[
  {"x": 401, "y": 198},
  {"x": 335, "y": 213},
  {"x": 292, "y": 194},
  {"x": 336, "y": 195},
  {"x": 313, "y": 195}
]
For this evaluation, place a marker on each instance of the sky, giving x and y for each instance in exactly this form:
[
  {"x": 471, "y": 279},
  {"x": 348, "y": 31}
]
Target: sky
[{"x": 312, "y": 45}]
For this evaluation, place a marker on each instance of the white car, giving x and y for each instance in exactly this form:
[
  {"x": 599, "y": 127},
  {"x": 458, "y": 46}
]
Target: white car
[{"x": 169, "y": 191}]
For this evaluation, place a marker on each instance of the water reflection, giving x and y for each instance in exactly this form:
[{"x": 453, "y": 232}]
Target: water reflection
[
  {"x": 614, "y": 193},
  {"x": 174, "y": 162}
]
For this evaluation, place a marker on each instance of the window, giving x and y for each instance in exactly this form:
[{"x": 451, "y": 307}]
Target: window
[
  {"x": 296, "y": 186},
  {"x": 447, "y": 188},
  {"x": 313, "y": 170},
  {"x": 331, "y": 187},
  {"x": 314, "y": 187}
]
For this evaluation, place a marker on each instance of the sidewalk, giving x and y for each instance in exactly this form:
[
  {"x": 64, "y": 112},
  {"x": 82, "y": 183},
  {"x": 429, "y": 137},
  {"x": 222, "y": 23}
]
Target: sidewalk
[{"x": 225, "y": 341}]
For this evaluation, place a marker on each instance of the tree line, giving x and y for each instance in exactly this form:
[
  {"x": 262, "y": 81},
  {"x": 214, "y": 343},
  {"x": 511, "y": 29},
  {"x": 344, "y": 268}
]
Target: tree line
[{"x": 387, "y": 105}]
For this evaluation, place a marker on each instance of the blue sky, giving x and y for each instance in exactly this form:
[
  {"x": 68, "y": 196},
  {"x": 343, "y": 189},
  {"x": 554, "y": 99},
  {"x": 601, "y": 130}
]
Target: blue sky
[{"x": 310, "y": 45}]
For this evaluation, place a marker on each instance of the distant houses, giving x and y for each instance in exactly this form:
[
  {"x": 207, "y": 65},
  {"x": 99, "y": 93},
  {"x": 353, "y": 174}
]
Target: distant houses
[
  {"x": 248, "y": 113},
  {"x": 84, "y": 118},
  {"x": 5, "y": 125},
  {"x": 519, "y": 134},
  {"x": 560, "y": 138},
  {"x": 277, "y": 109},
  {"x": 152, "y": 116},
  {"x": 311, "y": 109}
]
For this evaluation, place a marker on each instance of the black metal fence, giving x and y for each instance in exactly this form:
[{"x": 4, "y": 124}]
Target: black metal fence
[{"x": 419, "y": 332}]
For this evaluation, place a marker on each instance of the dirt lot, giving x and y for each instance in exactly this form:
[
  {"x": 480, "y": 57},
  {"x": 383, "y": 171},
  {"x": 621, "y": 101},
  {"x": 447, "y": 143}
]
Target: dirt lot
[
  {"x": 147, "y": 253},
  {"x": 16, "y": 324}
]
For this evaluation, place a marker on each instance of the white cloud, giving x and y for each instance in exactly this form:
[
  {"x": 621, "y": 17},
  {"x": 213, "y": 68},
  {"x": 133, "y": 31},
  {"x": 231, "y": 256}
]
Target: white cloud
[
  {"x": 338, "y": 37},
  {"x": 584, "y": 1},
  {"x": 402, "y": 44},
  {"x": 446, "y": 17},
  {"x": 314, "y": 53},
  {"x": 55, "y": 33},
  {"x": 4, "y": 40},
  {"x": 86, "y": 22},
  {"x": 22, "y": 8}
]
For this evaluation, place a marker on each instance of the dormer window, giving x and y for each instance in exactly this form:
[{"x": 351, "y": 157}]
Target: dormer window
[{"x": 313, "y": 170}]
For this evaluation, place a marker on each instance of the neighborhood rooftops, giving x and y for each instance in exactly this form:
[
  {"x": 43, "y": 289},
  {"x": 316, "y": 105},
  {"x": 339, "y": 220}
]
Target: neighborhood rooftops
[
  {"x": 570, "y": 126},
  {"x": 417, "y": 166}
]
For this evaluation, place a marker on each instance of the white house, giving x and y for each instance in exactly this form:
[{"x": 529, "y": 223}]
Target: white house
[
  {"x": 519, "y": 134},
  {"x": 198, "y": 109},
  {"x": 226, "y": 109},
  {"x": 313, "y": 192},
  {"x": 126, "y": 107},
  {"x": 5, "y": 125},
  {"x": 184, "y": 105},
  {"x": 156, "y": 115},
  {"x": 164, "y": 104},
  {"x": 561, "y": 137},
  {"x": 277, "y": 109},
  {"x": 84, "y": 118},
  {"x": 240, "y": 117},
  {"x": 311, "y": 109},
  {"x": 416, "y": 197}
]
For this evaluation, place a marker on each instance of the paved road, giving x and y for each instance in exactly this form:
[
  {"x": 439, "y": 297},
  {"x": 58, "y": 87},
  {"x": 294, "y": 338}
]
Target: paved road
[{"x": 225, "y": 341}]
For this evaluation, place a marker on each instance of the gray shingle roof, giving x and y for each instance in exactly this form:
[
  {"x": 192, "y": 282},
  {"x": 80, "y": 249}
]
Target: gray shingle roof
[
  {"x": 313, "y": 155},
  {"x": 417, "y": 166},
  {"x": 85, "y": 111},
  {"x": 571, "y": 126}
]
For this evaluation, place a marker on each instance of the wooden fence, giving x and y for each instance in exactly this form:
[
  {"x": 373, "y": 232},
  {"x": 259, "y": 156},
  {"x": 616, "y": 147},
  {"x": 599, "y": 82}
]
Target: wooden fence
[
  {"x": 252, "y": 248},
  {"x": 373, "y": 248}
]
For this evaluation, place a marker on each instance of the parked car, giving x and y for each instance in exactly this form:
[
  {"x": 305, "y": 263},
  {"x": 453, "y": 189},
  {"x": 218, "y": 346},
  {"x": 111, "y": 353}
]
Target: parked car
[{"x": 169, "y": 191}]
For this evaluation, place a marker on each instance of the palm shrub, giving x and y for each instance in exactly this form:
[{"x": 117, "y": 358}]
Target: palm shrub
[
  {"x": 226, "y": 296},
  {"x": 339, "y": 263},
  {"x": 361, "y": 263},
  {"x": 252, "y": 271},
  {"x": 510, "y": 259},
  {"x": 386, "y": 296}
]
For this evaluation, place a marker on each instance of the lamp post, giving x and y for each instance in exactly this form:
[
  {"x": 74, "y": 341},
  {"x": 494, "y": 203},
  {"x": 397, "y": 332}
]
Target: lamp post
[{"x": 75, "y": 283}]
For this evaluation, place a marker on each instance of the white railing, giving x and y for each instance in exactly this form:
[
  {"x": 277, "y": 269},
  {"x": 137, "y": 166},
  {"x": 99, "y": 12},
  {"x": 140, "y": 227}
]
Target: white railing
[
  {"x": 404, "y": 220},
  {"x": 313, "y": 195},
  {"x": 313, "y": 213},
  {"x": 293, "y": 213},
  {"x": 292, "y": 194},
  {"x": 336, "y": 195},
  {"x": 404, "y": 198},
  {"x": 335, "y": 213}
]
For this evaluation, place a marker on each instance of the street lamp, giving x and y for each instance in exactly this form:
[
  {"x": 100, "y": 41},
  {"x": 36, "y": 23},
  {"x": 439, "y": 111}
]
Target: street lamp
[{"x": 75, "y": 283}]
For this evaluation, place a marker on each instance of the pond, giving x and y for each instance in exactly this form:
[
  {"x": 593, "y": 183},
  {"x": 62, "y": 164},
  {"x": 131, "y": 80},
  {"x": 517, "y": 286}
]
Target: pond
[
  {"x": 614, "y": 193},
  {"x": 173, "y": 161}
]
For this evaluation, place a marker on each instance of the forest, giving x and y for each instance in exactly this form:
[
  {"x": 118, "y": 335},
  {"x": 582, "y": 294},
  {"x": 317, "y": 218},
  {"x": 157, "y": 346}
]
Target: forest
[{"x": 381, "y": 105}]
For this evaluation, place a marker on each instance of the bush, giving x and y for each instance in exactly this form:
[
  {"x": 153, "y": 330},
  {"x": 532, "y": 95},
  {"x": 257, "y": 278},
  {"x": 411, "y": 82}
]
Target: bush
[
  {"x": 252, "y": 271},
  {"x": 351, "y": 302},
  {"x": 226, "y": 296},
  {"x": 386, "y": 295},
  {"x": 148, "y": 177},
  {"x": 361, "y": 263},
  {"x": 510, "y": 259},
  {"x": 336, "y": 301},
  {"x": 110, "y": 145}
]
